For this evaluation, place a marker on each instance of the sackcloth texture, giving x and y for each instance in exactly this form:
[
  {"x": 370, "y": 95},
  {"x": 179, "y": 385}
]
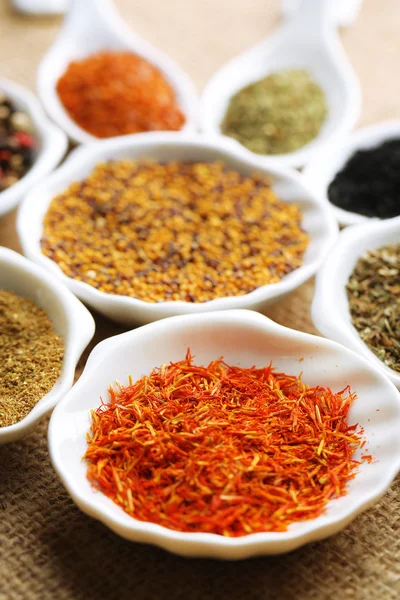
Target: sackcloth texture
[{"x": 51, "y": 550}]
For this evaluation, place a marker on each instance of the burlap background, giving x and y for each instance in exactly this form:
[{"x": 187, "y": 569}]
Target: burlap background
[{"x": 48, "y": 548}]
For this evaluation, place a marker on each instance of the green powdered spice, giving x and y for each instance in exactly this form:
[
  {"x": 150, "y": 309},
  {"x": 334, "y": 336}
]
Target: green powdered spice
[
  {"x": 278, "y": 114},
  {"x": 31, "y": 355},
  {"x": 373, "y": 291}
]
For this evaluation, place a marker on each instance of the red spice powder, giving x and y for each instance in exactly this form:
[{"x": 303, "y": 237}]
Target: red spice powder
[
  {"x": 117, "y": 93},
  {"x": 222, "y": 449}
]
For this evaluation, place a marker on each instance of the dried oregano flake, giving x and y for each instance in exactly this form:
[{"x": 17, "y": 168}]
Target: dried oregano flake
[
  {"x": 373, "y": 291},
  {"x": 278, "y": 114}
]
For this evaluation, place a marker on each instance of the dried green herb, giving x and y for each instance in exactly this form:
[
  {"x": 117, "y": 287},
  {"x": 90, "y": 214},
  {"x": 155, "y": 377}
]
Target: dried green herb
[
  {"x": 31, "y": 355},
  {"x": 373, "y": 291},
  {"x": 277, "y": 114}
]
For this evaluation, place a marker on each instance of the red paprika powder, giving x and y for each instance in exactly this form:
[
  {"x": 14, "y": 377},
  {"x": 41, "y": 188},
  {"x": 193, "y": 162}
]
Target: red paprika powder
[{"x": 117, "y": 93}]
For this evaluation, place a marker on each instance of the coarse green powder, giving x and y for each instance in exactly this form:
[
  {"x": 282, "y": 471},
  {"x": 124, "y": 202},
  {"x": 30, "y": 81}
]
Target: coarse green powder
[{"x": 277, "y": 114}]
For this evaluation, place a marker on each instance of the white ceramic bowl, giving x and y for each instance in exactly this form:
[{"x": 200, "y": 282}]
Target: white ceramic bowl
[
  {"x": 330, "y": 307},
  {"x": 318, "y": 220},
  {"x": 325, "y": 165},
  {"x": 52, "y": 144},
  {"x": 243, "y": 338},
  {"x": 93, "y": 26},
  {"x": 71, "y": 320}
]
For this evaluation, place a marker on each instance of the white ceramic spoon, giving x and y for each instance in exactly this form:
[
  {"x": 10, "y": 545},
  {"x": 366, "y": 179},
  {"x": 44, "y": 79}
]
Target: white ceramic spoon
[
  {"x": 308, "y": 40},
  {"x": 345, "y": 12},
  {"x": 92, "y": 26},
  {"x": 41, "y": 7}
]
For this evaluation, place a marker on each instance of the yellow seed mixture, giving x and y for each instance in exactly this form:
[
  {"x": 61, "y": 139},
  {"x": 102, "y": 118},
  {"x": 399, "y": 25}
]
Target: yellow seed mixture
[{"x": 174, "y": 231}]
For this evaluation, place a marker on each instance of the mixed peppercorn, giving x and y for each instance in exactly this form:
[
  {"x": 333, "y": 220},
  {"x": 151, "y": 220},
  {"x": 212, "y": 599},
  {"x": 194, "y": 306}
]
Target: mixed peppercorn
[{"x": 17, "y": 143}]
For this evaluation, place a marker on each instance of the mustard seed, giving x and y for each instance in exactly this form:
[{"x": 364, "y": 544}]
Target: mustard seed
[{"x": 176, "y": 231}]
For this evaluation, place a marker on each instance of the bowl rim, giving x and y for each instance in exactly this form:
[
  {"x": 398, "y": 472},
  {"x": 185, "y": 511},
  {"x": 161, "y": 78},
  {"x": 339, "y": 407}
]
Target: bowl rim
[
  {"x": 54, "y": 145},
  {"x": 179, "y": 80},
  {"x": 81, "y": 328},
  {"x": 341, "y": 151},
  {"x": 326, "y": 316},
  {"x": 99, "y": 150},
  {"x": 211, "y": 545}
]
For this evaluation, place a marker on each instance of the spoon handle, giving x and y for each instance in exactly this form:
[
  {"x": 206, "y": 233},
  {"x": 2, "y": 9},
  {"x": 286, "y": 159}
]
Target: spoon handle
[
  {"x": 314, "y": 16},
  {"x": 345, "y": 12},
  {"x": 90, "y": 18}
]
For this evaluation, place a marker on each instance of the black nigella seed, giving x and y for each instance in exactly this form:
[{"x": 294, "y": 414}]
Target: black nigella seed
[{"x": 369, "y": 183}]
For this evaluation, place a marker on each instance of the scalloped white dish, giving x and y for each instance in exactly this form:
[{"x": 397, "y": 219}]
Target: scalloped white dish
[
  {"x": 323, "y": 167},
  {"x": 243, "y": 338},
  {"x": 93, "y": 26},
  {"x": 71, "y": 320},
  {"x": 330, "y": 308},
  {"x": 317, "y": 219},
  {"x": 52, "y": 144}
]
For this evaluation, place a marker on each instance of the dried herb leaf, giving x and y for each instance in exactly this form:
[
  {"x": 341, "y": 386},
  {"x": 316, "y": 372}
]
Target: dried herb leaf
[
  {"x": 277, "y": 114},
  {"x": 373, "y": 292}
]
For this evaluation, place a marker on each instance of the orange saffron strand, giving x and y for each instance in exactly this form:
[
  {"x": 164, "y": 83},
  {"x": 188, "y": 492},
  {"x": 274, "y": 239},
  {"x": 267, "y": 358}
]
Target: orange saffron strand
[{"x": 222, "y": 449}]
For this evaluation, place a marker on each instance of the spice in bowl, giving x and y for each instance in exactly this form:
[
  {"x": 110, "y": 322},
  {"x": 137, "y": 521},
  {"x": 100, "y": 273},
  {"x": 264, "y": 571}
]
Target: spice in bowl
[
  {"x": 278, "y": 114},
  {"x": 222, "y": 449},
  {"x": 373, "y": 292},
  {"x": 188, "y": 231},
  {"x": 17, "y": 143},
  {"x": 117, "y": 93},
  {"x": 369, "y": 182},
  {"x": 31, "y": 356}
]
